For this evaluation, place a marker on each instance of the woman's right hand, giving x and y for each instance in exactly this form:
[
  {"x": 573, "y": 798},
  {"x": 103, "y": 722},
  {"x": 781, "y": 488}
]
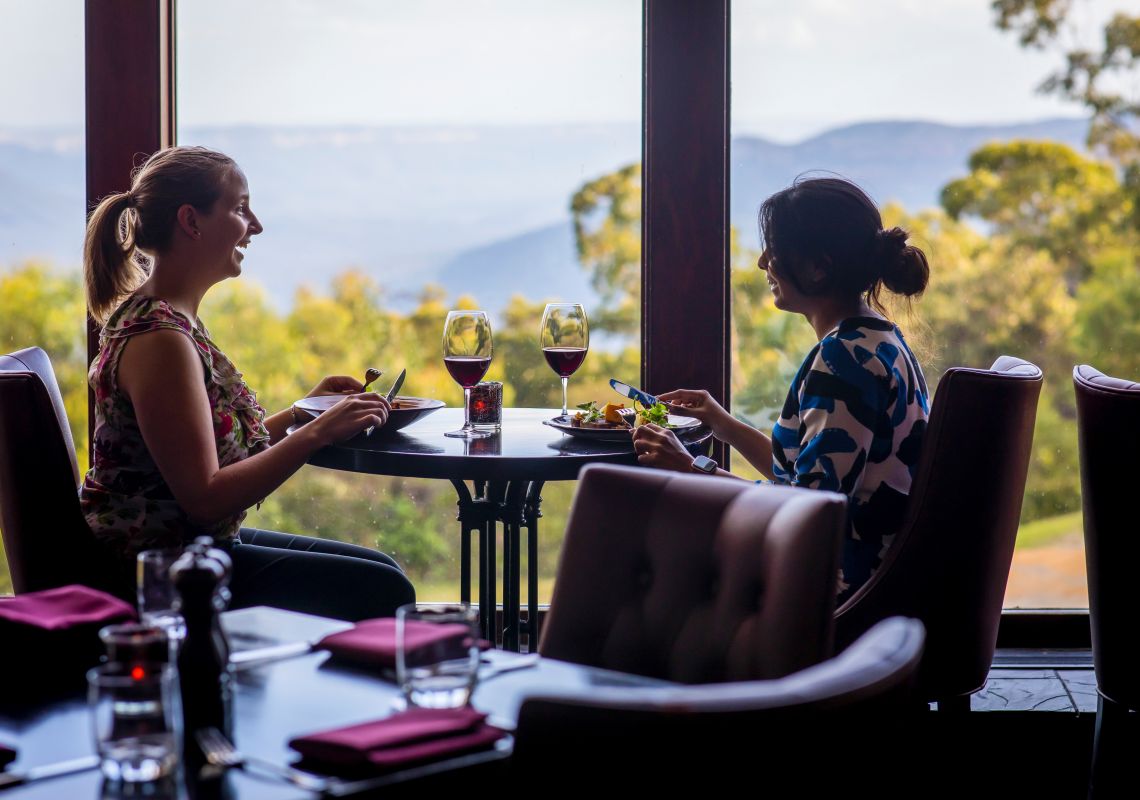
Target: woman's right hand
[
  {"x": 351, "y": 416},
  {"x": 699, "y": 404}
]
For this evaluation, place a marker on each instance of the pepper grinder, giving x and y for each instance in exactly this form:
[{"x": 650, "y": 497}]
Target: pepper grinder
[{"x": 201, "y": 576}]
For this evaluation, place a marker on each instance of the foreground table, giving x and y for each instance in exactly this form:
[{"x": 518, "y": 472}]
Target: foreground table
[
  {"x": 507, "y": 472},
  {"x": 279, "y": 700}
]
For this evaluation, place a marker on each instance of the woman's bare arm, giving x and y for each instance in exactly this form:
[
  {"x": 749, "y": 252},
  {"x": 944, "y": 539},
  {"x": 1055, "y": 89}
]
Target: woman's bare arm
[{"x": 163, "y": 377}]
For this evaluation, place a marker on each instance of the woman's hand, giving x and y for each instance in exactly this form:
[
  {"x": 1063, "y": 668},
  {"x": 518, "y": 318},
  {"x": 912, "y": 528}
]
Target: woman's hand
[
  {"x": 350, "y": 416},
  {"x": 658, "y": 447},
  {"x": 699, "y": 404},
  {"x": 336, "y": 384}
]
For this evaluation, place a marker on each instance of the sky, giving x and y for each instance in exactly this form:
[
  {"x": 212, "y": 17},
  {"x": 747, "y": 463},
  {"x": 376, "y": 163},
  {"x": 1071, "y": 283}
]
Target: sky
[{"x": 797, "y": 68}]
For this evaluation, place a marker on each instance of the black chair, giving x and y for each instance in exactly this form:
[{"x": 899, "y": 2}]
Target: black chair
[
  {"x": 695, "y": 579},
  {"x": 46, "y": 538},
  {"x": 824, "y": 728},
  {"x": 949, "y": 563},
  {"x": 1108, "y": 433}
]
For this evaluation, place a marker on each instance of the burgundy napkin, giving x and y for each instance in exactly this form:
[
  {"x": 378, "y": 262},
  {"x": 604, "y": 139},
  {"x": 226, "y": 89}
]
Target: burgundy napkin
[
  {"x": 7, "y": 755},
  {"x": 372, "y": 643},
  {"x": 52, "y": 637},
  {"x": 64, "y": 608},
  {"x": 418, "y": 734}
]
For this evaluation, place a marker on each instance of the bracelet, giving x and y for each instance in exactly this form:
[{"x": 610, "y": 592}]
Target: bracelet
[{"x": 293, "y": 413}]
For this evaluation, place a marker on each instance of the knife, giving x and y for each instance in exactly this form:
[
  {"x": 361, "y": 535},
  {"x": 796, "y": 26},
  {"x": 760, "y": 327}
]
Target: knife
[
  {"x": 625, "y": 390},
  {"x": 396, "y": 386},
  {"x": 56, "y": 770}
]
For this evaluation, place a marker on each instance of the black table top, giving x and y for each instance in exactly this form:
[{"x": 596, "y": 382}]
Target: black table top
[
  {"x": 525, "y": 449},
  {"x": 276, "y": 701}
]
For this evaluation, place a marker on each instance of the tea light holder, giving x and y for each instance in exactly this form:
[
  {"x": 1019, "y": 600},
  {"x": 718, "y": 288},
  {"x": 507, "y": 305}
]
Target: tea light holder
[{"x": 486, "y": 409}]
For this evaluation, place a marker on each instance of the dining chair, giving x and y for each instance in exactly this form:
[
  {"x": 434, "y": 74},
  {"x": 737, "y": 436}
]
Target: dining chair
[
  {"x": 46, "y": 538},
  {"x": 949, "y": 562},
  {"x": 832, "y": 726},
  {"x": 1108, "y": 435},
  {"x": 693, "y": 578}
]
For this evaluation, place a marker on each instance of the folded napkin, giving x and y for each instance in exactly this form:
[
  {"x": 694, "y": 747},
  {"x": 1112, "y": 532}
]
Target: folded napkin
[
  {"x": 51, "y": 637},
  {"x": 415, "y": 735},
  {"x": 7, "y": 755},
  {"x": 372, "y": 643}
]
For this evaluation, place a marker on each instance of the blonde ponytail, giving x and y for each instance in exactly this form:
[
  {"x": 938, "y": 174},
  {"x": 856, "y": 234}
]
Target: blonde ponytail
[{"x": 110, "y": 268}]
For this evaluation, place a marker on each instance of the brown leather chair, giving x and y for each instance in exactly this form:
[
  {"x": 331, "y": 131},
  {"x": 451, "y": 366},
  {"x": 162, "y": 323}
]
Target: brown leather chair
[
  {"x": 695, "y": 579},
  {"x": 46, "y": 539},
  {"x": 949, "y": 563},
  {"x": 1108, "y": 433},
  {"x": 821, "y": 729}
]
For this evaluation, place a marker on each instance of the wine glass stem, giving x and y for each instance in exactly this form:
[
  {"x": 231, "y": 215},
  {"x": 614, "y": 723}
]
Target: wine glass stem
[
  {"x": 565, "y": 380},
  {"x": 466, "y": 408}
]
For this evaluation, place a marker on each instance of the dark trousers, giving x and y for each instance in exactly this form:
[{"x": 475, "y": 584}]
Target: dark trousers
[{"x": 316, "y": 576}]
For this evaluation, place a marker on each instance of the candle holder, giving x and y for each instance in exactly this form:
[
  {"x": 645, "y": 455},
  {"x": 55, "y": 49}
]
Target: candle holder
[{"x": 485, "y": 409}]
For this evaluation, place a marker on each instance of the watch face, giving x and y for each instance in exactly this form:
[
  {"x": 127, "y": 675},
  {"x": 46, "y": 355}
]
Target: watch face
[{"x": 704, "y": 464}]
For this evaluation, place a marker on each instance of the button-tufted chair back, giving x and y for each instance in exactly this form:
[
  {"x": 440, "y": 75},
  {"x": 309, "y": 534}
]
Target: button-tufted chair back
[
  {"x": 46, "y": 539},
  {"x": 949, "y": 563},
  {"x": 811, "y": 731},
  {"x": 695, "y": 579}
]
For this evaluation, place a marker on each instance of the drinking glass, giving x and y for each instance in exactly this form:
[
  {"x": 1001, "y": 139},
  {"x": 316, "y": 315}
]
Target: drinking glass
[
  {"x": 467, "y": 355},
  {"x": 157, "y": 596},
  {"x": 133, "y": 720},
  {"x": 565, "y": 338},
  {"x": 437, "y": 654}
]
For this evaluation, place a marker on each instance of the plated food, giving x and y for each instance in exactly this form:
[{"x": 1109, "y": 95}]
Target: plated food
[
  {"x": 614, "y": 422},
  {"x": 405, "y": 410}
]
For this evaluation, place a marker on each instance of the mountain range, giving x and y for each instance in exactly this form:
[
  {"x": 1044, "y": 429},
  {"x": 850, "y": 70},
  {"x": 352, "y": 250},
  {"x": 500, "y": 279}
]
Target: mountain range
[{"x": 481, "y": 210}]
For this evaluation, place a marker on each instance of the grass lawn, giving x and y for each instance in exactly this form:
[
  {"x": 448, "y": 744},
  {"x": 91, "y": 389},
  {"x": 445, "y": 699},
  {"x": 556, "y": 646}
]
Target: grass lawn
[{"x": 1044, "y": 531}]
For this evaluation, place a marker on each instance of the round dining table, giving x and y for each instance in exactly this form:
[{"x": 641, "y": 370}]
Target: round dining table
[{"x": 507, "y": 472}]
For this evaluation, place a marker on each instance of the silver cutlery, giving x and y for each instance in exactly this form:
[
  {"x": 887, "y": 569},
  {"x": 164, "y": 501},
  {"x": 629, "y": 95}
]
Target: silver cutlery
[
  {"x": 56, "y": 770},
  {"x": 371, "y": 375},
  {"x": 396, "y": 386},
  {"x": 221, "y": 753}
]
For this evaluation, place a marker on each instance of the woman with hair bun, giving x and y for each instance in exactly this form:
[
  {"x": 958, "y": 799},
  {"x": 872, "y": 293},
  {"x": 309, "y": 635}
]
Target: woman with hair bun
[
  {"x": 856, "y": 411},
  {"x": 181, "y": 446}
]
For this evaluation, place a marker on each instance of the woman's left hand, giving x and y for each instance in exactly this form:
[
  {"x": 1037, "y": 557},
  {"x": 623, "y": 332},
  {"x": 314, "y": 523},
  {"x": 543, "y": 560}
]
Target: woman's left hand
[
  {"x": 658, "y": 447},
  {"x": 336, "y": 384}
]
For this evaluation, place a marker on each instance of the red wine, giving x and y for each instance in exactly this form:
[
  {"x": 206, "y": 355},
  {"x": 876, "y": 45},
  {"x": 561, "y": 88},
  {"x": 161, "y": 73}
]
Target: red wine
[
  {"x": 564, "y": 360},
  {"x": 467, "y": 370}
]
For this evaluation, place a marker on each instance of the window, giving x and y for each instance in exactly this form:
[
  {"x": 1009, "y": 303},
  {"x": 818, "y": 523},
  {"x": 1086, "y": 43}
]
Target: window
[
  {"x": 884, "y": 94},
  {"x": 42, "y": 199},
  {"x": 406, "y": 159}
]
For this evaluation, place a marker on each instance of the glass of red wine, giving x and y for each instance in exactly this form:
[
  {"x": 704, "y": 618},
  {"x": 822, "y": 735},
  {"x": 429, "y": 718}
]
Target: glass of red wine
[
  {"x": 565, "y": 338},
  {"x": 467, "y": 355}
]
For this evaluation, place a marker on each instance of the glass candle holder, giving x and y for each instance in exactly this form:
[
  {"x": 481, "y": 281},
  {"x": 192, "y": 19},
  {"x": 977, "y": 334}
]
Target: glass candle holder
[{"x": 486, "y": 406}]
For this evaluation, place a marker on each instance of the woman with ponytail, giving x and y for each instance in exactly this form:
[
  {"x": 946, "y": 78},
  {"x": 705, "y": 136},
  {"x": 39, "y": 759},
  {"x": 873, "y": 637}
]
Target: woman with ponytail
[
  {"x": 181, "y": 446},
  {"x": 856, "y": 411}
]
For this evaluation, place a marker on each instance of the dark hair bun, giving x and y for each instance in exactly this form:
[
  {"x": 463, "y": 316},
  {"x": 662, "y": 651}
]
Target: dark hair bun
[{"x": 903, "y": 267}]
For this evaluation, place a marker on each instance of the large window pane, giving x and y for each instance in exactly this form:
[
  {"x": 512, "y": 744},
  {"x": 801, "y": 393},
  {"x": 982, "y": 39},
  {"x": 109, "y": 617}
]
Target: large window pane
[
  {"x": 899, "y": 97},
  {"x": 406, "y": 158},
  {"x": 42, "y": 198}
]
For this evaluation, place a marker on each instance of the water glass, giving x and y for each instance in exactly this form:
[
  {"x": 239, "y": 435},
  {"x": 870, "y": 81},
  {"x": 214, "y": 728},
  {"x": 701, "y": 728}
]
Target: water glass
[
  {"x": 132, "y": 644},
  {"x": 437, "y": 654},
  {"x": 133, "y": 720},
  {"x": 157, "y": 596}
]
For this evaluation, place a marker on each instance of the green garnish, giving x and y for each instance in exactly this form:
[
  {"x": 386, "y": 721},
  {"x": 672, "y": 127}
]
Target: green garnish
[
  {"x": 590, "y": 412},
  {"x": 658, "y": 414}
]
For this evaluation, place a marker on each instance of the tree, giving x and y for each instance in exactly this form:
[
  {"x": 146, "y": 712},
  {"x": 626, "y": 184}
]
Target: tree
[{"x": 1102, "y": 79}]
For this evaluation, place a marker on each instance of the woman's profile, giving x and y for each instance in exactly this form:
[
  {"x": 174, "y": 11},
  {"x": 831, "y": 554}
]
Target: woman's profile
[
  {"x": 855, "y": 413},
  {"x": 181, "y": 446}
]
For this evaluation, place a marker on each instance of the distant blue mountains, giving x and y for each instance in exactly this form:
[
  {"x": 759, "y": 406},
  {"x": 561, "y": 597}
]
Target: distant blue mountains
[{"x": 480, "y": 210}]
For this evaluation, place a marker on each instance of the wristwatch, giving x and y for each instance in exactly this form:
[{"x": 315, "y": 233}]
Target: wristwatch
[{"x": 704, "y": 464}]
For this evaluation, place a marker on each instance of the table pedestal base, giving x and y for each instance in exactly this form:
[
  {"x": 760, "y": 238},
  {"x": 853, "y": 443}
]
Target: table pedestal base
[{"x": 516, "y": 504}]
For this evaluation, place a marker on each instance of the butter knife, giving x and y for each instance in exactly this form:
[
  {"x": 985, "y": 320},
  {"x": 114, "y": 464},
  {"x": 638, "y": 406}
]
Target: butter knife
[
  {"x": 59, "y": 769},
  {"x": 396, "y": 386},
  {"x": 625, "y": 390}
]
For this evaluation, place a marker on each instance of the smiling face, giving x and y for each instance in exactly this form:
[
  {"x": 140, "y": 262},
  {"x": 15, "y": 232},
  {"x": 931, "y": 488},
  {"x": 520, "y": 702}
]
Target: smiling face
[
  {"x": 785, "y": 295},
  {"x": 226, "y": 230}
]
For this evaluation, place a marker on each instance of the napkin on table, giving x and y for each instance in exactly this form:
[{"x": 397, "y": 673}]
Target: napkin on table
[
  {"x": 412, "y": 736},
  {"x": 372, "y": 643}
]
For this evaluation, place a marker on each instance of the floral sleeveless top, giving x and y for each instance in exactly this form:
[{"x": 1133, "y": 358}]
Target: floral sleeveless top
[{"x": 124, "y": 497}]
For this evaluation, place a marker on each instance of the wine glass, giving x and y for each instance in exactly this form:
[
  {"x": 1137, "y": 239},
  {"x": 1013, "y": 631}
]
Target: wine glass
[
  {"x": 467, "y": 355},
  {"x": 565, "y": 338}
]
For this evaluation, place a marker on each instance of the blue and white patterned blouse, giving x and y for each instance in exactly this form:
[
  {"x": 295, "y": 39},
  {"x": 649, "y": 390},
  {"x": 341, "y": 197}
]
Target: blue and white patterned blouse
[{"x": 853, "y": 422}]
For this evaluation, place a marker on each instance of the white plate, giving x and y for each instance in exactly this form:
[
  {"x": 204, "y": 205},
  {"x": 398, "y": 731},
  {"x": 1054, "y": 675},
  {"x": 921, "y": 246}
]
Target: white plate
[{"x": 680, "y": 425}]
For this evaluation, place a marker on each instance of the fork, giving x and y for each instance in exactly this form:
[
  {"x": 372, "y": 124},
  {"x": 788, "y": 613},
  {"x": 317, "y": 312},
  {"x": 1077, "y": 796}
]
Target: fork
[{"x": 220, "y": 752}]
